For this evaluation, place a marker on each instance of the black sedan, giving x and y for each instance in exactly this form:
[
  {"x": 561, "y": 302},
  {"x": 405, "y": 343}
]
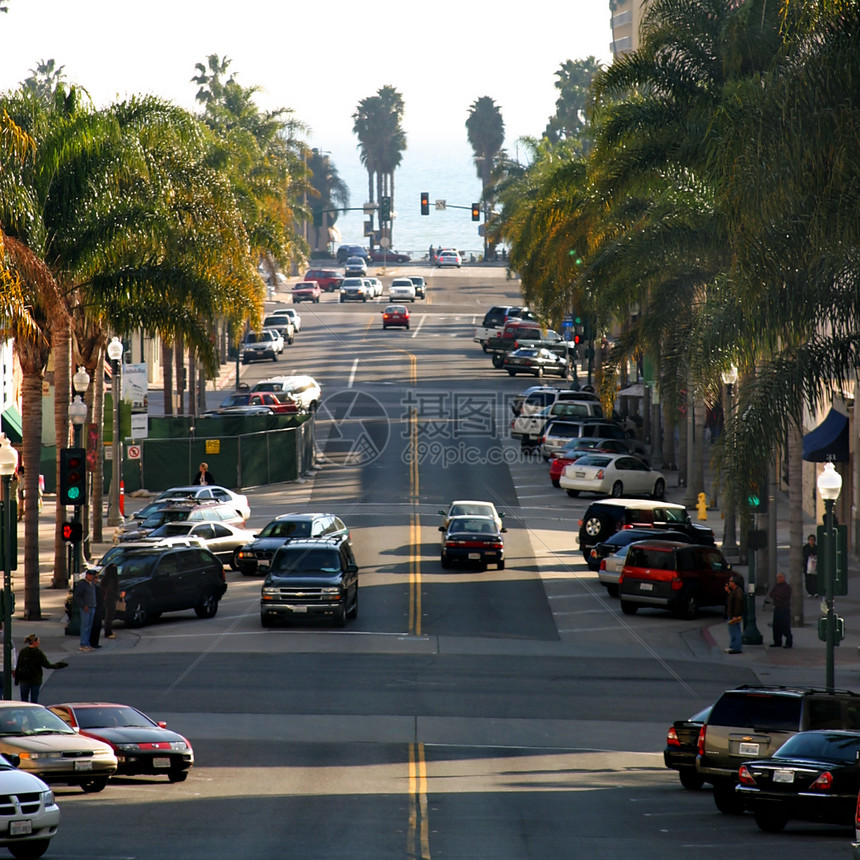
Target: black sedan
[
  {"x": 682, "y": 746},
  {"x": 142, "y": 745},
  {"x": 626, "y": 536},
  {"x": 535, "y": 360},
  {"x": 477, "y": 540},
  {"x": 813, "y": 776}
]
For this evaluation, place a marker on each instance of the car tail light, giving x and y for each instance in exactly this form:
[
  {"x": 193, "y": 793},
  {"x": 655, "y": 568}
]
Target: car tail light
[
  {"x": 672, "y": 738},
  {"x": 579, "y": 523},
  {"x": 593, "y": 552},
  {"x": 603, "y": 564},
  {"x": 824, "y": 782},
  {"x": 676, "y": 584},
  {"x": 600, "y": 474},
  {"x": 857, "y": 818},
  {"x": 744, "y": 776},
  {"x": 701, "y": 742}
]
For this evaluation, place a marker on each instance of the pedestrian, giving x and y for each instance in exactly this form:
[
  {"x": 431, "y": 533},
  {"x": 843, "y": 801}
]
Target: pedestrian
[
  {"x": 204, "y": 476},
  {"x": 110, "y": 591},
  {"x": 734, "y": 613},
  {"x": 98, "y": 613},
  {"x": 85, "y": 597},
  {"x": 28, "y": 669},
  {"x": 810, "y": 566},
  {"x": 430, "y": 253},
  {"x": 780, "y": 594}
]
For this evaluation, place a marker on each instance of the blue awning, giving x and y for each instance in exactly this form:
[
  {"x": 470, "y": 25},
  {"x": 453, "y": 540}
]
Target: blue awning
[
  {"x": 10, "y": 423},
  {"x": 828, "y": 441}
]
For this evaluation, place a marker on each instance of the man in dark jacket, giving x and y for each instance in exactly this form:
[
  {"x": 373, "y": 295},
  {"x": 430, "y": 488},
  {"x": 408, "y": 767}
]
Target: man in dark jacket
[
  {"x": 780, "y": 594},
  {"x": 28, "y": 670},
  {"x": 735, "y": 614}
]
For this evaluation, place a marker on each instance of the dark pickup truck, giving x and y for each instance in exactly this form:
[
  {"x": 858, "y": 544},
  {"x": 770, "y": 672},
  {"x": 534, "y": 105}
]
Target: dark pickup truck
[{"x": 516, "y": 335}]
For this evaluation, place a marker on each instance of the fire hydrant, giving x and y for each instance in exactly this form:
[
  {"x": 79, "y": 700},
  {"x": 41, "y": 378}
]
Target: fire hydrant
[{"x": 702, "y": 506}]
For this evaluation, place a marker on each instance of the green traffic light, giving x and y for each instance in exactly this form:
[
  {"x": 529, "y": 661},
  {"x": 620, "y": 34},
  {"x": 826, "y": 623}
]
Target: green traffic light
[{"x": 73, "y": 492}]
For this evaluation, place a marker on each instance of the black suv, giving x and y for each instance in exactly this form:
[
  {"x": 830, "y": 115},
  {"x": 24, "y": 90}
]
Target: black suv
[
  {"x": 602, "y": 519},
  {"x": 256, "y": 557},
  {"x": 152, "y": 581},
  {"x": 344, "y": 252},
  {"x": 753, "y": 722},
  {"x": 310, "y": 578}
]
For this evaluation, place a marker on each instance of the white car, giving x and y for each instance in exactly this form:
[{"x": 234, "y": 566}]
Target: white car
[
  {"x": 612, "y": 475},
  {"x": 448, "y": 258},
  {"x": 30, "y": 816},
  {"x": 402, "y": 290},
  {"x": 471, "y": 508},
  {"x": 280, "y": 341},
  {"x": 294, "y": 315},
  {"x": 377, "y": 286},
  {"x": 610, "y": 570},
  {"x": 304, "y": 390},
  {"x": 281, "y": 323},
  {"x": 223, "y": 540},
  {"x": 202, "y": 494}
]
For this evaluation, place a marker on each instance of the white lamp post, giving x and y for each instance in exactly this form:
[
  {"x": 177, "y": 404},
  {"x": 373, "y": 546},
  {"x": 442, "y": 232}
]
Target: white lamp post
[
  {"x": 8, "y": 464},
  {"x": 829, "y": 485},
  {"x": 114, "y": 351},
  {"x": 730, "y": 377},
  {"x": 78, "y": 417}
]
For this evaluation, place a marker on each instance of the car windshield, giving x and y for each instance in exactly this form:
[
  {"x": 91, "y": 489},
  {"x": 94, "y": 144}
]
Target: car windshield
[
  {"x": 236, "y": 400},
  {"x": 162, "y": 517},
  {"x": 823, "y": 746},
  {"x": 107, "y": 717},
  {"x": 287, "y": 529},
  {"x": 262, "y": 337},
  {"x": 288, "y": 562},
  {"x": 471, "y": 509},
  {"x": 31, "y": 721}
]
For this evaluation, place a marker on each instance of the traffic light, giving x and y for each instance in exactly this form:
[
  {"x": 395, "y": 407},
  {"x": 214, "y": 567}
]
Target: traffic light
[
  {"x": 476, "y": 212},
  {"x": 757, "y": 496},
  {"x": 73, "y": 476},
  {"x": 73, "y": 532},
  {"x": 577, "y": 259},
  {"x": 425, "y": 203},
  {"x": 384, "y": 209}
]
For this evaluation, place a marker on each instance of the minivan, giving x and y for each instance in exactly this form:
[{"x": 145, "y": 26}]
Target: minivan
[
  {"x": 559, "y": 431},
  {"x": 529, "y": 426}
]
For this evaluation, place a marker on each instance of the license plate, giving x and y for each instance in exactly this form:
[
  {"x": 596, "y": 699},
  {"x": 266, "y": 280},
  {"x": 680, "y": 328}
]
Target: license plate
[
  {"x": 263, "y": 563},
  {"x": 646, "y": 586},
  {"x": 83, "y": 765},
  {"x": 579, "y": 474},
  {"x": 161, "y": 761},
  {"x": 748, "y": 749},
  {"x": 474, "y": 556},
  {"x": 299, "y": 609},
  {"x": 783, "y": 776},
  {"x": 20, "y": 828}
]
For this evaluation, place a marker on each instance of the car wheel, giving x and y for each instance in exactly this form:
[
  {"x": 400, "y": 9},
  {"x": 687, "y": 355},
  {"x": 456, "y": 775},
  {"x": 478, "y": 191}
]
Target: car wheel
[
  {"x": 556, "y": 484},
  {"x": 136, "y": 613},
  {"x": 484, "y": 346},
  {"x": 385, "y": 327},
  {"x": 407, "y": 326},
  {"x": 340, "y": 614},
  {"x": 97, "y": 783},
  {"x": 573, "y": 493},
  {"x": 727, "y": 800},
  {"x": 446, "y": 562},
  {"x": 177, "y": 776},
  {"x": 353, "y": 613},
  {"x": 689, "y": 606},
  {"x": 29, "y": 850},
  {"x": 501, "y": 565},
  {"x": 690, "y": 778},
  {"x": 617, "y": 490},
  {"x": 770, "y": 820},
  {"x": 291, "y": 341},
  {"x": 208, "y": 606},
  {"x": 275, "y": 357},
  {"x": 512, "y": 373},
  {"x": 245, "y": 361},
  {"x": 341, "y": 299},
  {"x": 628, "y": 608},
  {"x": 612, "y": 590},
  {"x": 266, "y": 620},
  {"x": 565, "y": 371},
  {"x": 498, "y": 359},
  {"x": 659, "y": 489},
  {"x": 234, "y": 561}
]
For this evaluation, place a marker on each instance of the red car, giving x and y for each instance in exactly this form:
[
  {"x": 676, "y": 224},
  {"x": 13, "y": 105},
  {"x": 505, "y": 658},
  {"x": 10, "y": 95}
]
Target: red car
[
  {"x": 306, "y": 291},
  {"x": 260, "y": 402},
  {"x": 328, "y": 279},
  {"x": 395, "y": 315}
]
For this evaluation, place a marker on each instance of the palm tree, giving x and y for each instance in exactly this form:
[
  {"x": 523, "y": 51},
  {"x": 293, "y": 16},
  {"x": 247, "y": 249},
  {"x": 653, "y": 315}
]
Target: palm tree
[
  {"x": 331, "y": 194},
  {"x": 573, "y": 83},
  {"x": 486, "y": 132}
]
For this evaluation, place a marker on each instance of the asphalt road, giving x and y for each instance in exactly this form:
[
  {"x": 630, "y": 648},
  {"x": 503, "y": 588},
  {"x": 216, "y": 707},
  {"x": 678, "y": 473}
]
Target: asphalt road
[{"x": 464, "y": 714}]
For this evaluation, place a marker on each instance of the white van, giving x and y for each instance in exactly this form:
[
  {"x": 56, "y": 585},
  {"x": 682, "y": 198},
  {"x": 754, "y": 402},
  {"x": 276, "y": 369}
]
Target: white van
[{"x": 304, "y": 390}]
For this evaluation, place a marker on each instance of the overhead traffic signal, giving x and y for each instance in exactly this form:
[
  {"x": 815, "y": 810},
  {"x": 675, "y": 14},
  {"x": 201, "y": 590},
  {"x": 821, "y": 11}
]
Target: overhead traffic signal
[
  {"x": 73, "y": 532},
  {"x": 73, "y": 476},
  {"x": 425, "y": 203},
  {"x": 384, "y": 209},
  {"x": 476, "y": 212}
]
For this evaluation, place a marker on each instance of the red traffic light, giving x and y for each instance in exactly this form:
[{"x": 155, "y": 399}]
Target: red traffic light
[{"x": 73, "y": 532}]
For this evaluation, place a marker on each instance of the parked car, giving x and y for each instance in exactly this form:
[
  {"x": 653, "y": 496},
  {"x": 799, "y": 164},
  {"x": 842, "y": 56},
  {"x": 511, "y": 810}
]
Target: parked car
[
  {"x": 281, "y": 323},
  {"x": 814, "y": 776},
  {"x": 223, "y": 540},
  {"x": 448, "y": 259},
  {"x": 613, "y": 475},
  {"x": 154, "y": 580},
  {"x": 609, "y": 570},
  {"x": 257, "y": 403},
  {"x": 577, "y": 448},
  {"x": 344, "y": 252},
  {"x": 538, "y": 397},
  {"x": 328, "y": 279},
  {"x": 256, "y": 556},
  {"x": 301, "y": 389},
  {"x": 670, "y": 575},
  {"x": 208, "y": 493},
  {"x": 754, "y": 721},
  {"x": 402, "y": 289},
  {"x": 142, "y": 745},
  {"x": 261, "y": 346},
  {"x": 471, "y": 508},
  {"x": 605, "y": 517},
  {"x": 355, "y": 267},
  {"x": 387, "y": 255},
  {"x": 49, "y": 749},
  {"x": 682, "y": 741},
  {"x": 395, "y": 316},
  {"x": 354, "y": 290},
  {"x": 309, "y": 578},
  {"x": 557, "y": 432},
  {"x": 179, "y": 511},
  {"x": 306, "y": 291},
  {"x": 537, "y": 361},
  {"x": 29, "y": 817},
  {"x": 472, "y": 539},
  {"x": 494, "y": 321},
  {"x": 420, "y": 286},
  {"x": 529, "y": 426}
]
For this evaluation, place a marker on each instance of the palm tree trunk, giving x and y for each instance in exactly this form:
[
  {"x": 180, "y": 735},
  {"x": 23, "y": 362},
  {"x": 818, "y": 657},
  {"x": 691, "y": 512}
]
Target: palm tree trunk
[
  {"x": 31, "y": 407},
  {"x": 192, "y": 382},
  {"x": 167, "y": 376},
  {"x": 179, "y": 361},
  {"x": 61, "y": 343},
  {"x": 795, "y": 525}
]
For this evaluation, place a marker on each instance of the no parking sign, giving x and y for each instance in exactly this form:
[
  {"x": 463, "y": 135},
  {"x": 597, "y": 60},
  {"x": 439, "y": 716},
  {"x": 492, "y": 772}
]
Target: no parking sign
[{"x": 134, "y": 452}]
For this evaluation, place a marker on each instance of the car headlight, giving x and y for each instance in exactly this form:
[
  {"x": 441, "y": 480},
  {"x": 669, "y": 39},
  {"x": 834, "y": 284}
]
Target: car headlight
[
  {"x": 127, "y": 747},
  {"x": 179, "y": 746},
  {"x": 270, "y": 593},
  {"x": 333, "y": 593},
  {"x": 47, "y": 797},
  {"x": 31, "y": 756}
]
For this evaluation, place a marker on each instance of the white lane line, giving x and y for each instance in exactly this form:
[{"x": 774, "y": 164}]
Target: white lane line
[
  {"x": 421, "y": 323},
  {"x": 352, "y": 373}
]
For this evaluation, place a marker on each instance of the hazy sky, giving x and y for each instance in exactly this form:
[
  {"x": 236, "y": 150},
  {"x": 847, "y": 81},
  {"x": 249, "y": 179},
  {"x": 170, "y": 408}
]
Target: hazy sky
[{"x": 318, "y": 58}]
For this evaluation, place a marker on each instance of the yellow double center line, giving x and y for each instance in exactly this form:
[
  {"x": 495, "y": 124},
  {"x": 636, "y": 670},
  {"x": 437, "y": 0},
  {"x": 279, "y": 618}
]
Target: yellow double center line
[{"x": 418, "y": 840}]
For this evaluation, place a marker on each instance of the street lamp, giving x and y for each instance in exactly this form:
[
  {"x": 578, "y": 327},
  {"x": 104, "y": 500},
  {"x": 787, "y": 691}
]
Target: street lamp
[
  {"x": 8, "y": 464},
  {"x": 730, "y": 377},
  {"x": 829, "y": 485},
  {"x": 78, "y": 417},
  {"x": 114, "y": 351}
]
